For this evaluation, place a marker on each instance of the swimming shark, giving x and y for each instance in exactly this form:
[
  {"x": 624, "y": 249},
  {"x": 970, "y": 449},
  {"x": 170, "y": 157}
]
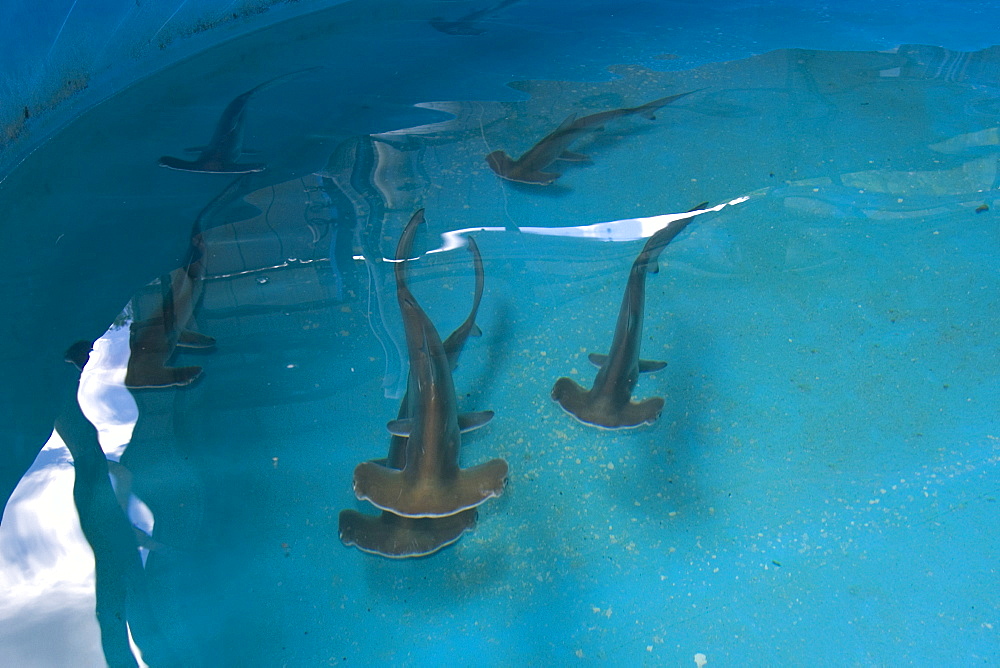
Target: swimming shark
[
  {"x": 390, "y": 535},
  {"x": 226, "y": 145},
  {"x": 608, "y": 404},
  {"x": 554, "y": 146},
  {"x": 430, "y": 483}
]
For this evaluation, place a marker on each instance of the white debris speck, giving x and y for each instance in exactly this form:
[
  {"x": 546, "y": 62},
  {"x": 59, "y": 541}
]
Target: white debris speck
[{"x": 700, "y": 660}]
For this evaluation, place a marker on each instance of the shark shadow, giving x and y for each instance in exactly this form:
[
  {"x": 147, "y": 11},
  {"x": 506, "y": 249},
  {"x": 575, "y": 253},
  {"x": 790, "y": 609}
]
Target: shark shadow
[{"x": 225, "y": 148}]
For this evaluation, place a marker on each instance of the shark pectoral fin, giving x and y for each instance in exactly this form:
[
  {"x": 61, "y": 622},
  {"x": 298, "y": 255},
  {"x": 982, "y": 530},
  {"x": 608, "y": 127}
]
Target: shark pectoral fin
[
  {"x": 400, "y": 427},
  {"x": 535, "y": 178},
  {"x": 470, "y": 421},
  {"x": 571, "y": 156},
  {"x": 239, "y": 168},
  {"x": 192, "y": 339},
  {"x": 643, "y": 412},
  {"x": 645, "y": 366},
  {"x": 176, "y": 163},
  {"x": 401, "y": 537},
  {"x": 475, "y": 331},
  {"x": 597, "y": 359}
]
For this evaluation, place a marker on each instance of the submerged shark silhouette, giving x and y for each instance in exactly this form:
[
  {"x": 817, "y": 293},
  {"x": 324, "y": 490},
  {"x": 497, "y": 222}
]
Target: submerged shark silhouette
[
  {"x": 223, "y": 151},
  {"x": 608, "y": 404},
  {"x": 152, "y": 340},
  {"x": 528, "y": 168},
  {"x": 391, "y": 535},
  {"x": 430, "y": 484}
]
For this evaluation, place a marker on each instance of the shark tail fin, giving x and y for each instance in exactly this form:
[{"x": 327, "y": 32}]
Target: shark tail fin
[{"x": 397, "y": 537}]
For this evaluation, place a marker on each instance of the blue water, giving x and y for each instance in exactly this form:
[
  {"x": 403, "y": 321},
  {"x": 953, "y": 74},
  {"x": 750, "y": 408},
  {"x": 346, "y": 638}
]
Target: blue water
[{"x": 820, "y": 485}]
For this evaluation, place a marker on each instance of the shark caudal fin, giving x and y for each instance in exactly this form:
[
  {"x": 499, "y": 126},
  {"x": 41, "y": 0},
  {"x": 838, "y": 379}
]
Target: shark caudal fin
[
  {"x": 398, "y": 493},
  {"x": 398, "y": 537}
]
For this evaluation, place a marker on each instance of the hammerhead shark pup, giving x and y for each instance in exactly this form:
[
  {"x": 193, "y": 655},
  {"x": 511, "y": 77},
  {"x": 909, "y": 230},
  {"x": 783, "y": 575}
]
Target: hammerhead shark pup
[
  {"x": 226, "y": 145},
  {"x": 608, "y": 404},
  {"x": 528, "y": 168},
  {"x": 430, "y": 484},
  {"x": 396, "y": 537}
]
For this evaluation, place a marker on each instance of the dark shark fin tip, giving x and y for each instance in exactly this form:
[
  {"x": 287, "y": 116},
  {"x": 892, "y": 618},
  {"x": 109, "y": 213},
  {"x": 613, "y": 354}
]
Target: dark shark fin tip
[{"x": 647, "y": 366}]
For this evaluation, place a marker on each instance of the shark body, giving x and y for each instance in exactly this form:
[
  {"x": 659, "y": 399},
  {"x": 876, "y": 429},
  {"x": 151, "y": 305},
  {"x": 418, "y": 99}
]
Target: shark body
[
  {"x": 608, "y": 404},
  {"x": 431, "y": 483},
  {"x": 391, "y": 535},
  {"x": 530, "y": 167}
]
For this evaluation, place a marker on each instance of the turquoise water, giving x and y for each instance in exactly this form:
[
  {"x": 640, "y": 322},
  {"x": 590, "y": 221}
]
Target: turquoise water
[{"x": 817, "y": 489}]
